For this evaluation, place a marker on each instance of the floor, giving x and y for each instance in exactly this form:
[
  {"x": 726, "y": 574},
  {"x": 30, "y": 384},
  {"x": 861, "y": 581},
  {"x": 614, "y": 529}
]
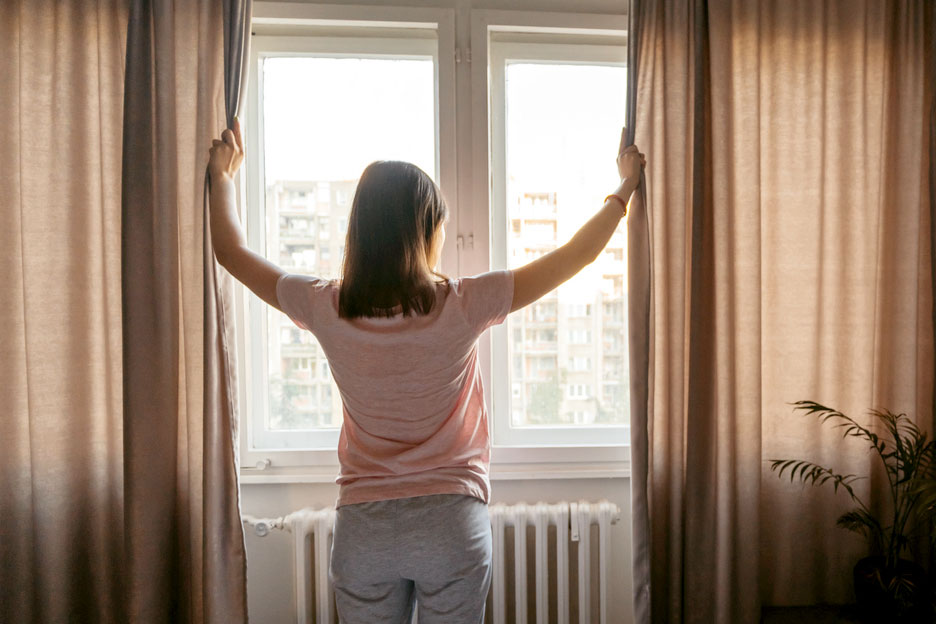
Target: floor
[{"x": 810, "y": 615}]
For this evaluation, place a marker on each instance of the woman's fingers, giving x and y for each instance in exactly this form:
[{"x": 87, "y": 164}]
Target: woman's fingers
[
  {"x": 623, "y": 140},
  {"x": 228, "y": 137},
  {"x": 237, "y": 133}
]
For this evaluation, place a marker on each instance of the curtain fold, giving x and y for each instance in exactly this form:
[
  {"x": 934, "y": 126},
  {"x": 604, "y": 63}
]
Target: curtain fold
[
  {"x": 184, "y": 540},
  {"x": 225, "y": 535},
  {"x": 790, "y": 227},
  {"x": 639, "y": 335},
  {"x": 61, "y": 67}
]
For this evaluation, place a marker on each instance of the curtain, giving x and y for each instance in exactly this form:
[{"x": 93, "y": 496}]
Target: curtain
[
  {"x": 118, "y": 487},
  {"x": 185, "y": 542},
  {"x": 61, "y": 482},
  {"x": 789, "y": 216}
]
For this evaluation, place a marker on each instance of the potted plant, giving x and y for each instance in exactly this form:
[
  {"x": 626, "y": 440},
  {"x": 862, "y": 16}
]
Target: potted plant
[{"x": 888, "y": 587}]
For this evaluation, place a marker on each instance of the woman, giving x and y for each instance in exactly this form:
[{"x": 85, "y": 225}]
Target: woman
[{"x": 401, "y": 340}]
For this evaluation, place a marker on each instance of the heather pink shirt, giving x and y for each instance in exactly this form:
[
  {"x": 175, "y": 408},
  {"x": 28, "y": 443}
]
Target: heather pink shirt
[{"x": 414, "y": 416}]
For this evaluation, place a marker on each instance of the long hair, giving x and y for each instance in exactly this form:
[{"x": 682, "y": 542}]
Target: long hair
[{"x": 396, "y": 212}]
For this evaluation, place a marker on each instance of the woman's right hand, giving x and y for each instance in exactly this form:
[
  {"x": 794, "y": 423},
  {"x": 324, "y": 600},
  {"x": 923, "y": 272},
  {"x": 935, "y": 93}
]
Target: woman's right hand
[
  {"x": 226, "y": 154},
  {"x": 629, "y": 160}
]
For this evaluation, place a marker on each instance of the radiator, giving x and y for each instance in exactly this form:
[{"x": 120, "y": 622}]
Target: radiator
[{"x": 573, "y": 523}]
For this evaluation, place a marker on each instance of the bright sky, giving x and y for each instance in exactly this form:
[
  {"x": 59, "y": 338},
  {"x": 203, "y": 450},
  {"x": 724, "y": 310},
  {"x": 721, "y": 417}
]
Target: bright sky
[
  {"x": 328, "y": 118},
  {"x": 564, "y": 125}
]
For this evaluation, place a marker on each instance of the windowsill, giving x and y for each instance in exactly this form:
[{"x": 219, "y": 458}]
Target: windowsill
[{"x": 499, "y": 472}]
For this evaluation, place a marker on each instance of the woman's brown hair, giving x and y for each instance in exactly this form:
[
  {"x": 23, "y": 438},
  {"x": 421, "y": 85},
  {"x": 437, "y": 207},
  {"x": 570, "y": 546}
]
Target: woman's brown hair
[{"x": 395, "y": 214}]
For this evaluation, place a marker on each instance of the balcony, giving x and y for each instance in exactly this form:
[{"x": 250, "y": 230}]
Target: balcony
[
  {"x": 537, "y": 346},
  {"x": 536, "y": 206}
]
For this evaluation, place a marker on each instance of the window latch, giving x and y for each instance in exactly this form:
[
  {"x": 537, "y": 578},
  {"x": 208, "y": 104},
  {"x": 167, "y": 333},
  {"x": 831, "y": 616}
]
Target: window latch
[{"x": 462, "y": 243}]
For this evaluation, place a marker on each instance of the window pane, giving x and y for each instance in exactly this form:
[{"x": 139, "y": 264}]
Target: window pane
[
  {"x": 563, "y": 125},
  {"x": 324, "y": 120}
]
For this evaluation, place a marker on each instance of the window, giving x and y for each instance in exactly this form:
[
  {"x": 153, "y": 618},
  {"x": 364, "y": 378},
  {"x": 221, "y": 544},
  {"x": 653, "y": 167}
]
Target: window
[
  {"x": 548, "y": 160},
  {"x": 323, "y": 107},
  {"x": 333, "y": 88}
]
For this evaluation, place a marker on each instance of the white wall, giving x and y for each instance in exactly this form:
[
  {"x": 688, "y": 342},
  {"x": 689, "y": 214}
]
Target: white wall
[{"x": 269, "y": 575}]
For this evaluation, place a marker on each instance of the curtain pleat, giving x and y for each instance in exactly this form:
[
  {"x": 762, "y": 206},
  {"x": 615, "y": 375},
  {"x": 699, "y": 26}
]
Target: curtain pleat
[
  {"x": 639, "y": 333},
  {"x": 184, "y": 540},
  {"x": 791, "y": 258}
]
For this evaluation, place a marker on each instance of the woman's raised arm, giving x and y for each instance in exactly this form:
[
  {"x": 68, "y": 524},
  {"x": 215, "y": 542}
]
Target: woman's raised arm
[
  {"x": 227, "y": 237},
  {"x": 544, "y": 274}
]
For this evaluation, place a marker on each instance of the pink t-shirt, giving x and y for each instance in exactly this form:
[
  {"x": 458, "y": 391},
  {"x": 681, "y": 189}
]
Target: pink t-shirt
[{"x": 414, "y": 416}]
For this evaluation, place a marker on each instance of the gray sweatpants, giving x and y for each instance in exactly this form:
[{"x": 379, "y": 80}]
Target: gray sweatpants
[{"x": 432, "y": 550}]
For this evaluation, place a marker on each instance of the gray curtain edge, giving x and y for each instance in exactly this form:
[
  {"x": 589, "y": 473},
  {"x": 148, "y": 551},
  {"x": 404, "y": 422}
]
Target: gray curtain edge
[
  {"x": 638, "y": 322},
  {"x": 223, "y": 514}
]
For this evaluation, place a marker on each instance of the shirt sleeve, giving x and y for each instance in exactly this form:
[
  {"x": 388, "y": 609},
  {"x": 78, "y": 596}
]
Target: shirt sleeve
[
  {"x": 486, "y": 298},
  {"x": 297, "y": 296}
]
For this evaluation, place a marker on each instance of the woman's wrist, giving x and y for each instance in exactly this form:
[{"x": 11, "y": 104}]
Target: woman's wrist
[
  {"x": 626, "y": 188},
  {"x": 618, "y": 202},
  {"x": 220, "y": 175},
  {"x": 622, "y": 193}
]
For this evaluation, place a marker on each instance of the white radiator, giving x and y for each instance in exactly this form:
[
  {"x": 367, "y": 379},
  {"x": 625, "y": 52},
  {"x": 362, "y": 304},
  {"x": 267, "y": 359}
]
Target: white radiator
[{"x": 573, "y": 522}]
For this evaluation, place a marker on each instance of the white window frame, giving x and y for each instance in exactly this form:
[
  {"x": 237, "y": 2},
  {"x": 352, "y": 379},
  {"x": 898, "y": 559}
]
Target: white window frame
[
  {"x": 465, "y": 182},
  {"x": 353, "y": 31},
  {"x": 525, "y": 443}
]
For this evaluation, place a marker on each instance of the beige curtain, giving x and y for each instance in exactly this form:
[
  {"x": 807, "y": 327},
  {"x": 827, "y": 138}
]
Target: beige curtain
[
  {"x": 118, "y": 488},
  {"x": 185, "y": 542},
  {"x": 789, "y": 209},
  {"x": 61, "y": 479}
]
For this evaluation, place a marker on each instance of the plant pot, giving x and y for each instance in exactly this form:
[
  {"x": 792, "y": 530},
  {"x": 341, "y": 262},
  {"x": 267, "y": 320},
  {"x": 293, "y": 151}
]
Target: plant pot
[{"x": 901, "y": 595}]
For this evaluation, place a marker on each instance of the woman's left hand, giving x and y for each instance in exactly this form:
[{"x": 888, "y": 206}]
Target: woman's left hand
[{"x": 227, "y": 154}]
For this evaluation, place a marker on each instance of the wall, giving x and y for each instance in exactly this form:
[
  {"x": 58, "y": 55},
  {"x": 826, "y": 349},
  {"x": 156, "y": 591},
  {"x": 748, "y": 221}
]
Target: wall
[{"x": 270, "y": 559}]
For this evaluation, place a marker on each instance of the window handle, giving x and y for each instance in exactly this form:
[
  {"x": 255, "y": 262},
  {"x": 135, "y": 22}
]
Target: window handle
[{"x": 460, "y": 242}]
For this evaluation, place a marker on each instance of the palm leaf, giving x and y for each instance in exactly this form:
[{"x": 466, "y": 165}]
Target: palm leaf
[
  {"x": 860, "y": 521},
  {"x": 851, "y": 427},
  {"x": 926, "y": 490},
  {"x": 814, "y": 474}
]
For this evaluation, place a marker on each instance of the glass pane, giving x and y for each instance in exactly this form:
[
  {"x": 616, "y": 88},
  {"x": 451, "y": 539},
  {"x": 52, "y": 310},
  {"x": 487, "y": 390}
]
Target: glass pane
[
  {"x": 324, "y": 120},
  {"x": 569, "y": 350}
]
